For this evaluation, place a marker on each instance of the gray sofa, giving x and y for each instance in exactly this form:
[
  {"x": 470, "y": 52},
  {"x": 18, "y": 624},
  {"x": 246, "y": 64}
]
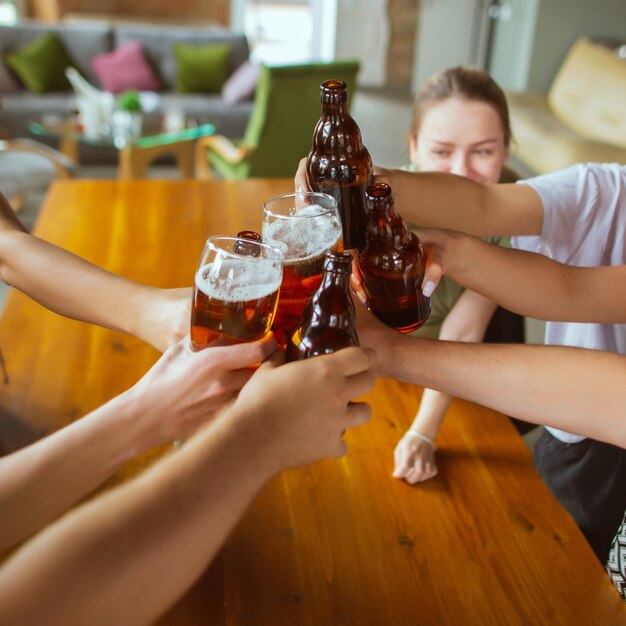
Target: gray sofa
[{"x": 86, "y": 40}]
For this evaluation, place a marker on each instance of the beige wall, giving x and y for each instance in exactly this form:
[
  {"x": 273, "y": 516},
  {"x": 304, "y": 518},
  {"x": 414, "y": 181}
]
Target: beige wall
[
  {"x": 403, "y": 30},
  {"x": 179, "y": 11},
  {"x": 560, "y": 23}
]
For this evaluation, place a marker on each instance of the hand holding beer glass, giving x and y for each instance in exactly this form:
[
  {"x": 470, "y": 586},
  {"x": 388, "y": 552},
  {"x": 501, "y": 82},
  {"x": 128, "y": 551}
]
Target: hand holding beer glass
[
  {"x": 304, "y": 227},
  {"x": 235, "y": 291}
]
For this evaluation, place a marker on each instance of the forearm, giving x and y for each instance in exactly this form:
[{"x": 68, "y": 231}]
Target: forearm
[
  {"x": 431, "y": 413},
  {"x": 520, "y": 282},
  {"x": 131, "y": 553},
  {"x": 8, "y": 219},
  {"x": 570, "y": 388},
  {"x": 69, "y": 285},
  {"x": 434, "y": 199},
  {"x": 43, "y": 480}
]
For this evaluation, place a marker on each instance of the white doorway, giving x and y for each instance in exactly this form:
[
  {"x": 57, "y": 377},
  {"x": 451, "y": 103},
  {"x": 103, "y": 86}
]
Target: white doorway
[
  {"x": 301, "y": 31},
  {"x": 287, "y": 31}
]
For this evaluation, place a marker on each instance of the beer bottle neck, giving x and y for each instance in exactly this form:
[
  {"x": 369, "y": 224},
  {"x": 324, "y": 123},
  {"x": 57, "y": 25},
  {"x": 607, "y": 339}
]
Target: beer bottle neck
[
  {"x": 335, "y": 277},
  {"x": 331, "y": 109},
  {"x": 385, "y": 224}
]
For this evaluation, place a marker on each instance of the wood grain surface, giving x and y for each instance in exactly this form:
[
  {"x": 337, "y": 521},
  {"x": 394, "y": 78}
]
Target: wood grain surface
[{"x": 337, "y": 543}]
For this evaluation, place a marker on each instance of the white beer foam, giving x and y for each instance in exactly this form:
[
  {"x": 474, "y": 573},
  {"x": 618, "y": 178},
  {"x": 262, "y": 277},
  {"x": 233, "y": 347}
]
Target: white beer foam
[
  {"x": 303, "y": 239},
  {"x": 232, "y": 280}
]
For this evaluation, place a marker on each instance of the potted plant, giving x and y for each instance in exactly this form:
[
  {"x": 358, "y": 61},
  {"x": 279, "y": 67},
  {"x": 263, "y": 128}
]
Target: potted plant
[{"x": 127, "y": 118}]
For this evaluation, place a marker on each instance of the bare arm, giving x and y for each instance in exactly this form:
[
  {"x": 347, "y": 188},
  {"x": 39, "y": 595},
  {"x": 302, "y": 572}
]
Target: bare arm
[
  {"x": 127, "y": 556},
  {"x": 563, "y": 387},
  {"x": 415, "y": 458},
  {"x": 527, "y": 283},
  {"x": 181, "y": 391},
  {"x": 70, "y": 286},
  {"x": 458, "y": 203}
]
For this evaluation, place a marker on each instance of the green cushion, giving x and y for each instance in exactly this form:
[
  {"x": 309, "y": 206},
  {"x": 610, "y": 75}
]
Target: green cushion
[
  {"x": 41, "y": 65},
  {"x": 201, "y": 69}
]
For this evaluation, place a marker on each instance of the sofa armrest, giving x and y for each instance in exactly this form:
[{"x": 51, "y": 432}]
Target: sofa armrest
[{"x": 223, "y": 147}]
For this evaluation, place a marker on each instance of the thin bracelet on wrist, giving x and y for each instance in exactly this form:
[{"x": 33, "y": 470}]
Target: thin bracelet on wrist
[{"x": 422, "y": 436}]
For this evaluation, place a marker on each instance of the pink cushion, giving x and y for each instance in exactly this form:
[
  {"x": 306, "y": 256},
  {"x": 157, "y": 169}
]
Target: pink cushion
[{"x": 125, "y": 68}]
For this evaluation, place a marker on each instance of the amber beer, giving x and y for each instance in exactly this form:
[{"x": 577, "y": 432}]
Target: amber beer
[
  {"x": 235, "y": 296},
  {"x": 304, "y": 226},
  {"x": 392, "y": 265},
  {"x": 329, "y": 320}
]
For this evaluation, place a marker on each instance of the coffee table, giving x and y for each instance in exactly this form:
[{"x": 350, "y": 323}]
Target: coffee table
[{"x": 134, "y": 155}]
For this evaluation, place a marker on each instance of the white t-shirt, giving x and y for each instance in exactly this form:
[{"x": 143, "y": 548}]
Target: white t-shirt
[{"x": 585, "y": 225}]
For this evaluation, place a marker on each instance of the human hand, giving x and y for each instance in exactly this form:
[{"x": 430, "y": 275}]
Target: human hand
[
  {"x": 371, "y": 331},
  {"x": 414, "y": 459},
  {"x": 297, "y": 413},
  {"x": 300, "y": 180},
  {"x": 440, "y": 248},
  {"x": 185, "y": 388},
  {"x": 164, "y": 316}
]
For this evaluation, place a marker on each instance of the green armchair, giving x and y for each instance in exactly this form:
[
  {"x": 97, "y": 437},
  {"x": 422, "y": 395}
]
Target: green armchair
[{"x": 278, "y": 135}]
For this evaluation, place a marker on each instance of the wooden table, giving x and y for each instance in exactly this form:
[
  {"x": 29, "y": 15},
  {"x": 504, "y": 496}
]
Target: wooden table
[{"x": 339, "y": 542}]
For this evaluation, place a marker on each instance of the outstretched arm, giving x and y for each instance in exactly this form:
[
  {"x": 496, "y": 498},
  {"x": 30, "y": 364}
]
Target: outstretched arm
[
  {"x": 131, "y": 553},
  {"x": 527, "y": 283},
  {"x": 181, "y": 391},
  {"x": 563, "y": 387},
  {"x": 70, "y": 286},
  {"x": 435, "y": 199}
]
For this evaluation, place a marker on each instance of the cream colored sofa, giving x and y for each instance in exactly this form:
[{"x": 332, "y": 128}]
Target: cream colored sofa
[{"x": 582, "y": 118}]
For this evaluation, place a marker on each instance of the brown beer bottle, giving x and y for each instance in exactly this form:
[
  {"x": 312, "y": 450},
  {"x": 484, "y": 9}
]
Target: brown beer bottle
[
  {"x": 240, "y": 246},
  {"x": 328, "y": 322},
  {"x": 339, "y": 164},
  {"x": 392, "y": 265}
]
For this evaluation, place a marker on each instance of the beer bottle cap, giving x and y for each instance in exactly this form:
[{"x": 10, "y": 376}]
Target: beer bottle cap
[{"x": 333, "y": 92}]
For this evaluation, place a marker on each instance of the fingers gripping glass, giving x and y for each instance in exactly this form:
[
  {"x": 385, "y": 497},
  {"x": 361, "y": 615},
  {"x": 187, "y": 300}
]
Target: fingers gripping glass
[{"x": 235, "y": 291}]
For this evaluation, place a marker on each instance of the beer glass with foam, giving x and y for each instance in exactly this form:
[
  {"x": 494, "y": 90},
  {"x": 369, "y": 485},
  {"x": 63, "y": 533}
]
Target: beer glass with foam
[
  {"x": 304, "y": 226},
  {"x": 235, "y": 291}
]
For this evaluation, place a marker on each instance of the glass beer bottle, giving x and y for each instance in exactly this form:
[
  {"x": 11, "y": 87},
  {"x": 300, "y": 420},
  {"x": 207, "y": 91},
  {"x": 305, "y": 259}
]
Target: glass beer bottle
[
  {"x": 339, "y": 164},
  {"x": 328, "y": 322},
  {"x": 392, "y": 265},
  {"x": 241, "y": 247}
]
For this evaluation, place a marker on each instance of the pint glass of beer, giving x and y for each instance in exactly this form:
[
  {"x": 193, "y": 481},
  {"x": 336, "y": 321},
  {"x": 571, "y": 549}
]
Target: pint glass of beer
[
  {"x": 304, "y": 226},
  {"x": 235, "y": 292}
]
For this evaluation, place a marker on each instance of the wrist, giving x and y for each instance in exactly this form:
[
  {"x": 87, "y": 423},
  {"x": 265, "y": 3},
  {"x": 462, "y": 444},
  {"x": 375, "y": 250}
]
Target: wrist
[
  {"x": 139, "y": 309},
  {"x": 131, "y": 413},
  {"x": 416, "y": 434},
  {"x": 245, "y": 429}
]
